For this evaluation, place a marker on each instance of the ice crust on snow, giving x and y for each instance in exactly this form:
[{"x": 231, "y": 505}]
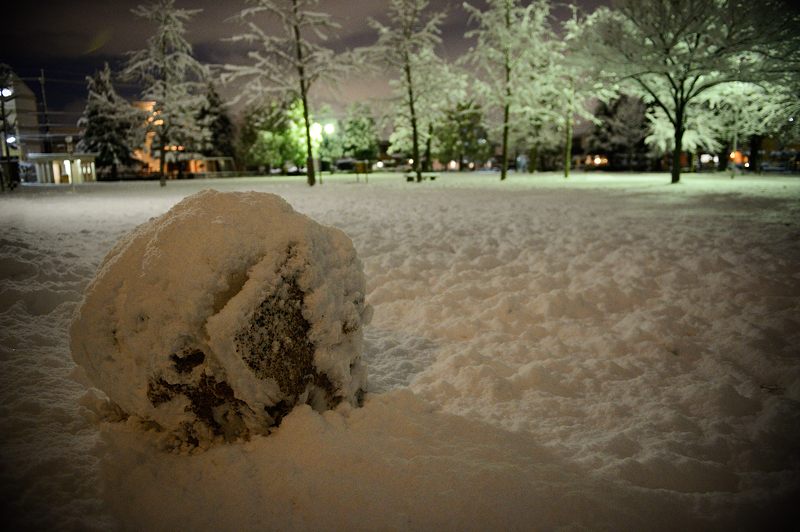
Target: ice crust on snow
[{"x": 216, "y": 318}]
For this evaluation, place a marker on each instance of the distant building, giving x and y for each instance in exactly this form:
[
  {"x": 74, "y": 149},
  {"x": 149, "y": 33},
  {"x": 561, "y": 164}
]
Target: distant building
[
  {"x": 177, "y": 158},
  {"x": 22, "y": 122}
]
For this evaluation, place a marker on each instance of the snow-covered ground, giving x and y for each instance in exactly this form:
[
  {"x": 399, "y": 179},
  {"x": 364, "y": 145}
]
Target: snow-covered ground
[{"x": 607, "y": 352}]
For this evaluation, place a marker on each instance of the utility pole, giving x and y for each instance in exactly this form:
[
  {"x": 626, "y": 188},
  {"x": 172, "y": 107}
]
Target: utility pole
[
  {"x": 6, "y": 155},
  {"x": 4, "y": 144},
  {"x": 48, "y": 147}
]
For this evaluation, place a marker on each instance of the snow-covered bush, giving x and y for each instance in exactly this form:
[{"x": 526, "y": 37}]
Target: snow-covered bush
[{"x": 216, "y": 318}]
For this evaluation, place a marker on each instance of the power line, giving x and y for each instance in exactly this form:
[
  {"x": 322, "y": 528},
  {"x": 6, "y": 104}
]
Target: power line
[
  {"x": 78, "y": 82},
  {"x": 27, "y": 112},
  {"x": 48, "y": 124}
]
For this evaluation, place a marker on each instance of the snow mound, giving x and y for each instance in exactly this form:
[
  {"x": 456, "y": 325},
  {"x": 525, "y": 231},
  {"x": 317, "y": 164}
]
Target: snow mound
[{"x": 216, "y": 318}]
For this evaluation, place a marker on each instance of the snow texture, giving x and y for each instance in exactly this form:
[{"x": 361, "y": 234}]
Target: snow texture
[
  {"x": 604, "y": 352},
  {"x": 214, "y": 319}
]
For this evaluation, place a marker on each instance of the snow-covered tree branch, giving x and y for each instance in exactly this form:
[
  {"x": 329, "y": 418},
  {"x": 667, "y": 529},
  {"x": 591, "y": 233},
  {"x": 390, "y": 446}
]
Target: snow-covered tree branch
[
  {"x": 673, "y": 51},
  {"x": 406, "y": 45},
  {"x": 289, "y": 64}
]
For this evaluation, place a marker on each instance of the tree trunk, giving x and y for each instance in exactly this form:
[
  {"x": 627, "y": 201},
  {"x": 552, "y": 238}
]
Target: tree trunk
[
  {"x": 4, "y": 145},
  {"x": 755, "y": 153},
  {"x": 507, "y": 104},
  {"x": 304, "y": 97},
  {"x": 504, "y": 153},
  {"x": 162, "y": 137},
  {"x": 735, "y": 140},
  {"x": 415, "y": 165},
  {"x": 162, "y": 162},
  {"x": 310, "y": 155},
  {"x": 428, "y": 142},
  {"x": 724, "y": 159},
  {"x": 568, "y": 123},
  {"x": 676, "y": 152},
  {"x": 534, "y": 158}
]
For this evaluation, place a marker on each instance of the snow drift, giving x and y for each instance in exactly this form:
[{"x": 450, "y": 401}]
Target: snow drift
[{"x": 216, "y": 318}]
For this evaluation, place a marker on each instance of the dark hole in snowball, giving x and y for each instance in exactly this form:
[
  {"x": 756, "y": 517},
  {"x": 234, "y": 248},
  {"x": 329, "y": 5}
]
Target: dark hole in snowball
[
  {"x": 185, "y": 362},
  {"x": 206, "y": 396}
]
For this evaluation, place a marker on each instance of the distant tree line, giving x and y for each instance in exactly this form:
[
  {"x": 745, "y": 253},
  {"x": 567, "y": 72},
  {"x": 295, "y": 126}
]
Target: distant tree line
[{"x": 651, "y": 77}]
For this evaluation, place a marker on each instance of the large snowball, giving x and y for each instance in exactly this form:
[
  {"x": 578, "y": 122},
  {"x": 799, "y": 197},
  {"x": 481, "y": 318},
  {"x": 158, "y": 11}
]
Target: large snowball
[{"x": 216, "y": 318}]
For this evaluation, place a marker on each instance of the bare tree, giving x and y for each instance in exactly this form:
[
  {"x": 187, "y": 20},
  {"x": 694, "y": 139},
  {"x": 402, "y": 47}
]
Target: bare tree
[
  {"x": 287, "y": 65},
  {"x": 673, "y": 51}
]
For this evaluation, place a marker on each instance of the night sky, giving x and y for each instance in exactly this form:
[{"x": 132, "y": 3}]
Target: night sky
[{"x": 71, "y": 40}]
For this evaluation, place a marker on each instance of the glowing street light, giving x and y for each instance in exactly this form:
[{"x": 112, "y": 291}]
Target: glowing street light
[
  {"x": 7, "y": 92},
  {"x": 11, "y": 139}
]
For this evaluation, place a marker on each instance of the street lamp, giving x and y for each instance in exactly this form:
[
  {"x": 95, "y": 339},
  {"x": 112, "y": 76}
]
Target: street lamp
[{"x": 325, "y": 132}]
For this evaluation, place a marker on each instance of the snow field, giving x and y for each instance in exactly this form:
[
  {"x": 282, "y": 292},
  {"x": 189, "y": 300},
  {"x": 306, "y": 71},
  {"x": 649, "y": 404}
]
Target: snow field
[{"x": 604, "y": 352}]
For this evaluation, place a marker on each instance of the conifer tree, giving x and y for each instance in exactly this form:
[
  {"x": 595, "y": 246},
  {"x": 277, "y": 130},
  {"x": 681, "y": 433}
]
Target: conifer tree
[
  {"x": 621, "y": 126},
  {"x": 360, "y": 134},
  {"x": 462, "y": 135},
  {"x": 171, "y": 78},
  {"x": 111, "y": 126},
  {"x": 215, "y": 116}
]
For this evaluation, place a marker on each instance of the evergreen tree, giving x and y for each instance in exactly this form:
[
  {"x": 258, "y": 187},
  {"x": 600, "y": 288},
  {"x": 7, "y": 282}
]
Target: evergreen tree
[
  {"x": 220, "y": 140},
  {"x": 111, "y": 126},
  {"x": 290, "y": 64},
  {"x": 462, "y": 136},
  {"x": 273, "y": 136},
  {"x": 360, "y": 134},
  {"x": 171, "y": 78},
  {"x": 622, "y": 126}
]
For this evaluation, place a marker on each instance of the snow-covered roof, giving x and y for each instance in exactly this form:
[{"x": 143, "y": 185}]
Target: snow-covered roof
[{"x": 43, "y": 157}]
